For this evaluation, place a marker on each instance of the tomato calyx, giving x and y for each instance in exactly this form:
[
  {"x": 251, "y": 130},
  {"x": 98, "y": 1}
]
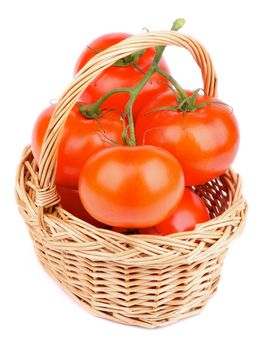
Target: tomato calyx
[
  {"x": 124, "y": 61},
  {"x": 187, "y": 103},
  {"x": 91, "y": 113},
  {"x": 93, "y": 49},
  {"x": 184, "y": 107},
  {"x": 129, "y": 60},
  {"x": 96, "y": 117}
]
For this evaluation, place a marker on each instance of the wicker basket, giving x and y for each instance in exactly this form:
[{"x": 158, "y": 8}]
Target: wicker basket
[{"x": 141, "y": 280}]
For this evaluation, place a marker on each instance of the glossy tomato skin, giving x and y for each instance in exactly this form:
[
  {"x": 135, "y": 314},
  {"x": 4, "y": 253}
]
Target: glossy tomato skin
[
  {"x": 131, "y": 186},
  {"x": 205, "y": 142},
  {"x": 71, "y": 202},
  {"x": 116, "y": 77},
  {"x": 80, "y": 139},
  {"x": 190, "y": 211}
]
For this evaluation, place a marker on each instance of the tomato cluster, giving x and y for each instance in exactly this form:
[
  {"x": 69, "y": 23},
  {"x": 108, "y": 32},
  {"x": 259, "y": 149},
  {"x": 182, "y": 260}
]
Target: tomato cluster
[{"x": 135, "y": 142}]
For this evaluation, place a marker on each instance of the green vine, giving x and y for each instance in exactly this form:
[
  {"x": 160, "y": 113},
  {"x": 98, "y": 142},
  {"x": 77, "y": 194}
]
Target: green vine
[{"x": 129, "y": 132}]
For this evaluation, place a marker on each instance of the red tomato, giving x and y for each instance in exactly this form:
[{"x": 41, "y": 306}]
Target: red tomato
[
  {"x": 131, "y": 186},
  {"x": 190, "y": 212},
  {"x": 71, "y": 202},
  {"x": 205, "y": 142},
  {"x": 116, "y": 77},
  {"x": 81, "y": 138}
]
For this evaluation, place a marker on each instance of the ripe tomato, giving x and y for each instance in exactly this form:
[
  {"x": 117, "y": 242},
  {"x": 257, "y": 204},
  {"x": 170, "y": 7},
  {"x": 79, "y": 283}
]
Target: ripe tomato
[
  {"x": 131, "y": 186},
  {"x": 190, "y": 212},
  {"x": 71, "y": 202},
  {"x": 121, "y": 76},
  {"x": 81, "y": 137},
  {"x": 205, "y": 142}
]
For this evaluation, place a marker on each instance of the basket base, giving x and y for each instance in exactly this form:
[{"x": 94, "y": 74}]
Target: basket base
[{"x": 152, "y": 317}]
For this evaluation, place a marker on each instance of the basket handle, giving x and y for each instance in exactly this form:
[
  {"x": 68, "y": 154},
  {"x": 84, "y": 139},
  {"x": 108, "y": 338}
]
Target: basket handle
[{"x": 46, "y": 195}]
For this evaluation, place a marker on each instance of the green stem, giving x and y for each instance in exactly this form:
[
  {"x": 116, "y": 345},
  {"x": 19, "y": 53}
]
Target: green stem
[
  {"x": 134, "y": 91},
  {"x": 173, "y": 82},
  {"x": 94, "y": 108}
]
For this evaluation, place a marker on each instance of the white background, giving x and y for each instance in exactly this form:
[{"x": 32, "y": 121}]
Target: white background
[{"x": 40, "y": 42}]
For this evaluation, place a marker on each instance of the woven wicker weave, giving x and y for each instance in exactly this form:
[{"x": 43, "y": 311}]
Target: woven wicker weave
[{"x": 140, "y": 280}]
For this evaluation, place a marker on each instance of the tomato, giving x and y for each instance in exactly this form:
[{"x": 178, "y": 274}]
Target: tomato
[
  {"x": 121, "y": 76},
  {"x": 81, "y": 137},
  {"x": 205, "y": 142},
  {"x": 71, "y": 202},
  {"x": 131, "y": 186},
  {"x": 190, "y": 212}
]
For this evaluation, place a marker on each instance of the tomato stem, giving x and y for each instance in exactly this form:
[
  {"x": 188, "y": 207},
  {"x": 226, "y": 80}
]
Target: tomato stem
[
  {"x": 174, "y": 82},
  {"x": 129, "y": 134},
  {"x": 94, "y": 109}
]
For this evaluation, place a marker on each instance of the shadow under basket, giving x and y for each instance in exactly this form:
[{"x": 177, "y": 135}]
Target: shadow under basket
[{"x": 141, "y": 280}]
